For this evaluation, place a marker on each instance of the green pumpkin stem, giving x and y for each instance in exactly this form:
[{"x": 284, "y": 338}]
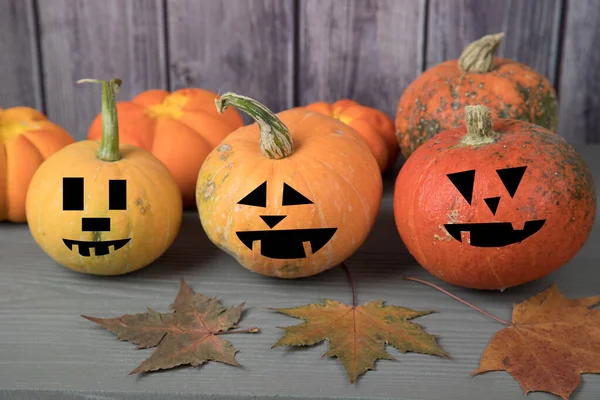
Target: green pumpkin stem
[
  {"x": 275, "y": 138},
  {"x": 478, "y": 57},
  {"x": 479, "y": 126},
  {"x": 109, "y": 145}
]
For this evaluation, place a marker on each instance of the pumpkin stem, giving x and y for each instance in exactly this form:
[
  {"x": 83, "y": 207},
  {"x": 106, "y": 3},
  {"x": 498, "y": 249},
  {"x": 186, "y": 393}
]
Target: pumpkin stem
[
  {"x": 109, "y": 145},
  {"x": 479, "y": 126},
  {"x": 275, "y": 139},
  {"x": 478, "y": 57}
]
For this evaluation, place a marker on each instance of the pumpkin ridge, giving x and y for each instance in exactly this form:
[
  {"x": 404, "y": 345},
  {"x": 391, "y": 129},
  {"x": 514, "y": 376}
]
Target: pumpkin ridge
[
  {"x": 418, "y": 183},
  {"x": 142, "y": 172},
  {"x": 198, "y": 133},
  {"x": 335, "y": 171},
  {"x": 303, "y": 175},
  {"x": 229, "y": 124},
  {"x": 153, "y": 130},
  {"x": 4, "y": 188}
]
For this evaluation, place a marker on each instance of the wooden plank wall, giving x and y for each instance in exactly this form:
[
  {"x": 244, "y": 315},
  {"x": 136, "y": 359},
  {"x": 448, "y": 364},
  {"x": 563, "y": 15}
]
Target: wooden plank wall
[{"x": 285, "y": 52}]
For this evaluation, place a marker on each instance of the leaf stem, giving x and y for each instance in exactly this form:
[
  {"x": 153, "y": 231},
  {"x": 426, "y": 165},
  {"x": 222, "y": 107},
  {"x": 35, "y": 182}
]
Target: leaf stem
[
  {"x": 351, "y": 281},
  {"x": 252, "y": 329},
  {"x": 407, "y": 278}
]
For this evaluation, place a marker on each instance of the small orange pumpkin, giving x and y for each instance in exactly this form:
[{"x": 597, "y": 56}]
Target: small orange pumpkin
[
  {"x": 435, "y": 101},
  {"x": 494, "y": 204},
  {"x": 27, "y": 138},
  {"x": 102, "y": 208},
  {"x": 178, "y": 128},
  {"x": 291, "y": 195},
  {"x": 375, "y": 127}
]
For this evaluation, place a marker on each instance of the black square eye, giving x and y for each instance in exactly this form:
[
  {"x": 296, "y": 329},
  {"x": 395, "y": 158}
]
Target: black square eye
[
  {"x": 73, "y": 194},
  {"x": 117, "y": 194}
]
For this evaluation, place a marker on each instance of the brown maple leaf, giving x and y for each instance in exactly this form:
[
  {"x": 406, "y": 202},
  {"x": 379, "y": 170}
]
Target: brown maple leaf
[
  {"x": 357, "y": 334},
  {"x": 189, "y": 335},
  {"x": 551, "y": 341}
]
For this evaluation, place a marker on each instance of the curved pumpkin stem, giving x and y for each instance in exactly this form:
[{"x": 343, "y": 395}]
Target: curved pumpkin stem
[
  {"x": 275, "y": 139},
  {"x": 109, "y": 145},
  {"x": 479, "y": 126},
  {"x": 478, "y": 57}
]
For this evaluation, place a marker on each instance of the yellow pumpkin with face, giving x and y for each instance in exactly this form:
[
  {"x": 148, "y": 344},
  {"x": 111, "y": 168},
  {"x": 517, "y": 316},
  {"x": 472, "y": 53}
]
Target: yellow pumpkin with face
[{"x": 104, "y": 209}]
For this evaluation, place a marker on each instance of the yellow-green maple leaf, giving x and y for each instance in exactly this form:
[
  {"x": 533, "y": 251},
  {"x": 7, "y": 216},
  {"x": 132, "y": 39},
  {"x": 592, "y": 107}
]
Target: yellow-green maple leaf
[{"x": 357, "y": 335}]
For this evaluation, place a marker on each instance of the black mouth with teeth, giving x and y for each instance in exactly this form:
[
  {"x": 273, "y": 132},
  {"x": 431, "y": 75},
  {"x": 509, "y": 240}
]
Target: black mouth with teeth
[
  {"x": 287, "y": 244},
  {"x": 101, "y": 248},
  {"x": 494, "y": 234}
]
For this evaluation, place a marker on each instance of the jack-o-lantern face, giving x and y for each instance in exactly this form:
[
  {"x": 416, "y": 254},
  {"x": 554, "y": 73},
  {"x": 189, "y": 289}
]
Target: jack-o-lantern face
[
  {"x": 492, "y": 234},
  {"x": 282, "y": 243},
  {"x": 73, "y": 200}
]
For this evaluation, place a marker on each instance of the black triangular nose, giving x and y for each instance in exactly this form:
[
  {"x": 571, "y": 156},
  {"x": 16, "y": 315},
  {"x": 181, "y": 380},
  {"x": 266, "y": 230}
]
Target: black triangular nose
[
  {"x": 272, "y": 220},
  {"x": 492, "y": 203}
]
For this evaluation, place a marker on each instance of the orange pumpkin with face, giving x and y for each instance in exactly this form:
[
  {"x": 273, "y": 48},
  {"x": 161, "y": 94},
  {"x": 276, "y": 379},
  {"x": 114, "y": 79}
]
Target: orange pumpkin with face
[
  {"x": 27, "y": 139},
  {"x": 290, "y": 196},
  {"x": 494, "y": 205},
  {"x": 178, "y": 128},
  {"x": 376, "y": 128}
]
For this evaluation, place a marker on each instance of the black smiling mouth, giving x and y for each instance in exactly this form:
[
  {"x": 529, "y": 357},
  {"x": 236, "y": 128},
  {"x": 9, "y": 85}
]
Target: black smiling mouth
[
  {"x": 101, "y": 248},
  {"x": 287, "y": 244},
  {"x": 494, "y": 234}
]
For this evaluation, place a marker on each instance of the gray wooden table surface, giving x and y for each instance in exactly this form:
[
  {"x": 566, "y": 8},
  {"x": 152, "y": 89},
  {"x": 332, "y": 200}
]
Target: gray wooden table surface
[{"x": 47, "y": 351}]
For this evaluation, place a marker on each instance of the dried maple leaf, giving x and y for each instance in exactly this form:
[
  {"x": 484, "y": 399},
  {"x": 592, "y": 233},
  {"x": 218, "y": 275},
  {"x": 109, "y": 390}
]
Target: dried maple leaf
[
  {"x": 189, "y": 335},
  {"x": 551, "y": 341},
  {"x": 357, "y": 334}
]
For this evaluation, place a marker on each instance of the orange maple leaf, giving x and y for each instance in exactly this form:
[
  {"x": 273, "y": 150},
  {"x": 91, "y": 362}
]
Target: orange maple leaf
[
  {"x": 357, "y": 334},
  {"x": 551, "y": 341}
]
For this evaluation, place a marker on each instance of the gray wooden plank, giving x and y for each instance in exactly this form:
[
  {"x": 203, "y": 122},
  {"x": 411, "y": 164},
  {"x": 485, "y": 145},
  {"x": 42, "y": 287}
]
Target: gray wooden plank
[
  {"x": 19, "y": 80},
  {"x": 229, "y": 45},
  {"x": 579, "y": 118},
  {"x": 369, "y": 51},
  {"x": 103, "y": 40},
  {"x": 48, "y": 352},
  {"x": 531, "y": 29}
]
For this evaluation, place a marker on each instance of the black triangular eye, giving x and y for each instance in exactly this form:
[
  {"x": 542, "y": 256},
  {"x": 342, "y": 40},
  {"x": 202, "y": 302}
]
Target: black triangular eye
[
  {"x": 464, "y": 182},
  {"x": 257, "y": 197},
  {"x": 511, "y": 178},
  {"x": 292, "y": 197}
]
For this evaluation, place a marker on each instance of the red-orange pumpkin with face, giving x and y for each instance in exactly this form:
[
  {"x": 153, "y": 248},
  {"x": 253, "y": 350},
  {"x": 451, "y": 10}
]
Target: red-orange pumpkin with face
[{"x": 494, "y": 205}]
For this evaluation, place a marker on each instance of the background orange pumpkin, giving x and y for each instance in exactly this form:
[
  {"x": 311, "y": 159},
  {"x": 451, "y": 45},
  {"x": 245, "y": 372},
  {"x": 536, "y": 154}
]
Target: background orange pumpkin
[
  {"x": 102, "y": 208},
  {"x": 179, "y": 128},
  {"x": 435, "y": 101},
  {"x": 265, "y": 190},
  {"x": 530, "y": 195},
  {"x": 375, "y": 127},
  {"x": 27, "y": 138}
]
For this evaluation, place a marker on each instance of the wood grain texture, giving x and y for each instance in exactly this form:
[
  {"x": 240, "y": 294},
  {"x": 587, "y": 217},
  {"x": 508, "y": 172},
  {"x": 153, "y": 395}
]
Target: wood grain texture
[
  {"x": 47, "y": 351},
  {"x": 579, "y": 118},
  {"x": 19, "y": 80},
  {"x": 531, "y": 29},
  {"x": 244, "y": 47},
  {"x": 102, "y": 40},
  {"x": 369, "y": 51}
]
